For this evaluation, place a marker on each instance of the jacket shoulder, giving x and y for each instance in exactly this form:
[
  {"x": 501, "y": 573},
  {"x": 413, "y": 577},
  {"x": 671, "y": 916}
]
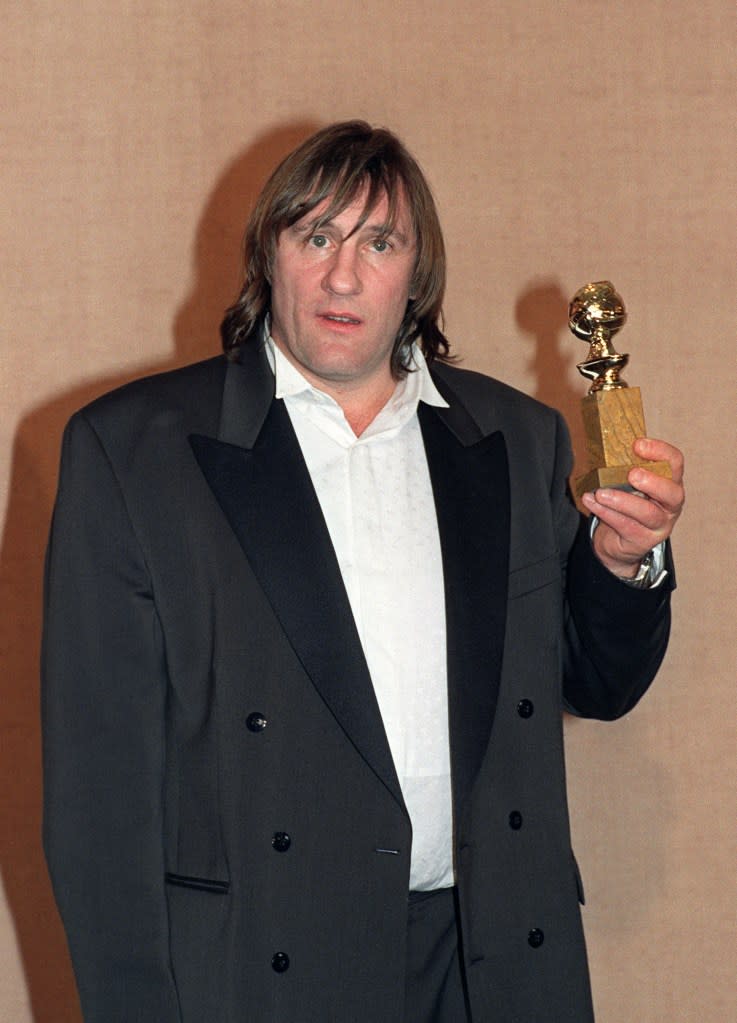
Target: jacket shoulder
[
  {"x": 491, "y": 401},
  {"x": 191, "y": 394}
]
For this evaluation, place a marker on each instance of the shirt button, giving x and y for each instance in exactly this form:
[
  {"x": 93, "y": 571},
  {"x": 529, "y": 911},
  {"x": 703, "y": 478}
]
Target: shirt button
[
  {"x": 280, "y": 962},
  {"x": 515, "y": 820},
  {"x": 256, "y": 722},
  {"x": 281, "y": 841},
  {"x": 525, "y": 708},
  {"x": 535, "y": 938}
]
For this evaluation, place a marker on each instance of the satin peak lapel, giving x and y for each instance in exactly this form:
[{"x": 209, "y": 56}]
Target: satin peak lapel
[
  {"x": 470, "y": 480},
  {"x": 268, "y": 499}
]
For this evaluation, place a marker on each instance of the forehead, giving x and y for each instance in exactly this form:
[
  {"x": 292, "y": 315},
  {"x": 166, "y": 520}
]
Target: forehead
[{"x": 361, "y": 210}]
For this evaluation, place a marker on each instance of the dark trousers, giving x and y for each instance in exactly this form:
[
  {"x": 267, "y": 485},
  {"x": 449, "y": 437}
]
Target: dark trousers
[{"x": 435, "y": 987}]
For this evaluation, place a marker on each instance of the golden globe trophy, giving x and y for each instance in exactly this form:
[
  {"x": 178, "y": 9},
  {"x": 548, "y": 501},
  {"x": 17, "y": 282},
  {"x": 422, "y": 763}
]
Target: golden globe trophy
[{"x": 612, "y": 411}]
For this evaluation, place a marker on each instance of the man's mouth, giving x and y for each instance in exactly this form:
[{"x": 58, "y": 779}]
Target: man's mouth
[{"x": 340, "y": 318}]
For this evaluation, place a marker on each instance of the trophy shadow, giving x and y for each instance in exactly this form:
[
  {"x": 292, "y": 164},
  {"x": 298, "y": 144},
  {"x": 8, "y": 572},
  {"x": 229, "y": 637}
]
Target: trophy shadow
[{"x": 541, "y": 311}]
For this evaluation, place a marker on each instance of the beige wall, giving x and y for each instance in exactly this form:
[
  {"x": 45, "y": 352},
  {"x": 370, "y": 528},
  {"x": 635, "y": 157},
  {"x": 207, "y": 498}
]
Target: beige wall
[{"x": 566, "y": 142}]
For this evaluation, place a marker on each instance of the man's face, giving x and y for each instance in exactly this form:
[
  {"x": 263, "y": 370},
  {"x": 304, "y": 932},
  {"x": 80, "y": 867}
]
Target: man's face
[{"x": 338, "y": 298}]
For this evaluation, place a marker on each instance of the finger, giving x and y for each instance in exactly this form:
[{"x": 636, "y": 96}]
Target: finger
[
  {"x": 660, "y": 451},
  {"x": 668, "y": 493},
  {"x": 632, "y": 517}
]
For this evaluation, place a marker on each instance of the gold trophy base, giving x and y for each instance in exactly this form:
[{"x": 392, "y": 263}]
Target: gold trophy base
[{"x": 613, "y": 420}]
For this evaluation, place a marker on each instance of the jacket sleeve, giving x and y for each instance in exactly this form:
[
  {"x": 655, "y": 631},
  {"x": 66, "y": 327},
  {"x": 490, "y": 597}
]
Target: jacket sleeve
[
  {"x": 615, "y": 635},
  {"x": 103, "y": 713}
]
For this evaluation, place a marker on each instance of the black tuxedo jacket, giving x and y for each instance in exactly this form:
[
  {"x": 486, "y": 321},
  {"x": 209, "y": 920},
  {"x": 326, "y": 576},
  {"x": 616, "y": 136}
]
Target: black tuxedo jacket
[{"x": 223, "y": 823}]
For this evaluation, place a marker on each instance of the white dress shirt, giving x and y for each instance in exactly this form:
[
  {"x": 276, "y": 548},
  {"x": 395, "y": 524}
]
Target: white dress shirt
[{"x": 376, "y": 497}]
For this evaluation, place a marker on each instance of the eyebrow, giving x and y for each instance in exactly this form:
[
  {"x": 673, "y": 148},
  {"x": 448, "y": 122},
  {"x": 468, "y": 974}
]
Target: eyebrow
[{"x": 376, "y": 230}]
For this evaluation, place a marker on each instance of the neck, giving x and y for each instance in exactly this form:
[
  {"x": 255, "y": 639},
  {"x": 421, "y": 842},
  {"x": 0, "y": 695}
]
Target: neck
[
  {"x": 361, "y": 399},
  {"x": 360, "y": 409}
]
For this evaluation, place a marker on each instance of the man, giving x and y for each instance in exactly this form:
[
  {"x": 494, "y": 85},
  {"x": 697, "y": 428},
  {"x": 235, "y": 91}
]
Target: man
[{"x": 313, "y": 613}]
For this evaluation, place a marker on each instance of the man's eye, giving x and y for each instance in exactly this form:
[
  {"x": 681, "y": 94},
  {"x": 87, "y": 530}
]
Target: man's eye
[
  {"x": 381, "y": 244},
  {"x": 319, "y": 241}
]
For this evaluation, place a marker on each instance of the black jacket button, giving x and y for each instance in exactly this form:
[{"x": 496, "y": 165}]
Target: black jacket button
[
  {"x": 281, "y": 841},
  {"x": 256, "y": 722},
  {"x": 525, "y": 708},
  {"x": 280, "y": 962},
  {"x": 535, "y": 938},
  {"x": 515, "y": 820}
]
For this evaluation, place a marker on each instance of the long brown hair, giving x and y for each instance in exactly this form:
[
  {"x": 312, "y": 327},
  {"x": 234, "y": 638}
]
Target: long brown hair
[{"x": 338, "y": 163}]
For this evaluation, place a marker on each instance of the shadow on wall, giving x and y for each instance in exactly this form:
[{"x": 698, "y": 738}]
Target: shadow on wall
[
  {"x": 542, "y": 312},
  {"x": 33, "y": 480}
]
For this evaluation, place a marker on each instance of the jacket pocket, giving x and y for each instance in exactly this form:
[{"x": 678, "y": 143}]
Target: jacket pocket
[
  {"x": 533, "y": 577},
  {"x": 579, "y": 880},
  {"x": 202, "y": 884}
]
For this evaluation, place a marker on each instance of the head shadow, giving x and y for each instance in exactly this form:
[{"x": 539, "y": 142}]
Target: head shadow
[{"x": 218, "y": 257}]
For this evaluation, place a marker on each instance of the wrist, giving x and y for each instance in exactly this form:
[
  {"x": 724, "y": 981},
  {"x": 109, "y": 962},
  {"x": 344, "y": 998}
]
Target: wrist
[
  {"x": 641, "y": 578},
  {"x": 618, "y": 565},
  {"x": 645, "y": 574}
]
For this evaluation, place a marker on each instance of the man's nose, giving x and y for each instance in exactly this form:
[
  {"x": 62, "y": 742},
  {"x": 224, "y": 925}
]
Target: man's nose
[{"x": 342, "y": 276}]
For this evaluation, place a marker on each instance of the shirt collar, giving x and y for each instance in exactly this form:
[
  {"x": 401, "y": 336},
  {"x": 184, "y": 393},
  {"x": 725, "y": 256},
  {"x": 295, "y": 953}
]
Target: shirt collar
[{"x": 416, "y": 386}]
